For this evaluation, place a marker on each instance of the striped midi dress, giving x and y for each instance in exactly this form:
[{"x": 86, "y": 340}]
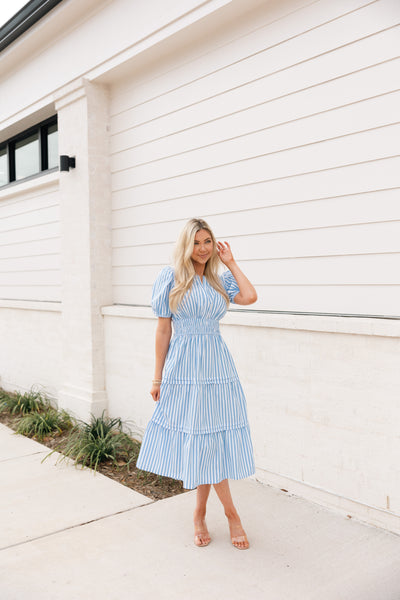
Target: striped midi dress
[{"x": 199, "y": 431}]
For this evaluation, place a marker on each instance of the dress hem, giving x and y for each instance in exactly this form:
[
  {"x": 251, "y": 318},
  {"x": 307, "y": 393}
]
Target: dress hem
[{"x": 197, "y": 459}]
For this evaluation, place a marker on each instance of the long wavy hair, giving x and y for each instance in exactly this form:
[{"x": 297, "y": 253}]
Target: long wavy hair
[{"x": 183, "y": 264}]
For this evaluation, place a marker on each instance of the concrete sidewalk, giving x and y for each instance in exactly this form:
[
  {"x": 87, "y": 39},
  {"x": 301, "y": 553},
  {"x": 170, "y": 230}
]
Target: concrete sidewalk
[{"x": 69, "y": 534}]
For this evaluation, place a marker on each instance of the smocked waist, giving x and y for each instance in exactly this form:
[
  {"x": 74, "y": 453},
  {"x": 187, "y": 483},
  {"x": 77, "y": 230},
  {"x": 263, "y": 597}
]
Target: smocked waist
[{"x": 196, "y": 326}]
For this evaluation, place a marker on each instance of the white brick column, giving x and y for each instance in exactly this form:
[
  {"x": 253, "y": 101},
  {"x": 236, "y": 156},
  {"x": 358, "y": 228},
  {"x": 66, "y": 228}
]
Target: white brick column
[{"x": 85, "y": 201}]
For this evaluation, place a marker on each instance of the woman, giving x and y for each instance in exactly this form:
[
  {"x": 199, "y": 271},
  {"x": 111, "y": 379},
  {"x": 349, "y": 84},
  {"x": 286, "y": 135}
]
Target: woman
[{"x": 199, "y": 431}]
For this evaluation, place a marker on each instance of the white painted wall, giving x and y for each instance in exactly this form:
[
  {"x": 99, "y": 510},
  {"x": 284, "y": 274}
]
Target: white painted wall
[
  {"x": 323, "y": 406},
  {"x": 30, "y": 241},
  {"x": 30, "y": 348},
  {"x": 281, "y": 132}
]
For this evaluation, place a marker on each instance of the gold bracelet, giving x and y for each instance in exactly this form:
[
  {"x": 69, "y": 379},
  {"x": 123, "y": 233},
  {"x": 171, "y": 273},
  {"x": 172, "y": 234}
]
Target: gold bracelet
[{"x": 157, "y": 381}]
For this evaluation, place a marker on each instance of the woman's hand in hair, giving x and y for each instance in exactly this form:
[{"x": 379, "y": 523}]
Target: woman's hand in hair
[
  {"x": 247, "y": 293},
  {"x": 225, "y": 253}
]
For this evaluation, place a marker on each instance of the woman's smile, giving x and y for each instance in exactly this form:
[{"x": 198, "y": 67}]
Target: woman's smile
[{"x": 203, "y": 247}]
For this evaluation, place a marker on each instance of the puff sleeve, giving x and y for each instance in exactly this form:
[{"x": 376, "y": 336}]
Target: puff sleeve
[
  {"x": 230, "y": 284},
  {"x": 160, "y": 293}
]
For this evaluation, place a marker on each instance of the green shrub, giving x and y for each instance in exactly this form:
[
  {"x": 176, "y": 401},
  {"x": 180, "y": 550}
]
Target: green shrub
[
  {"x": 41, "y": 424},
  {"x": 23, "y": 404},
  {"x": 100, "y": 440}
]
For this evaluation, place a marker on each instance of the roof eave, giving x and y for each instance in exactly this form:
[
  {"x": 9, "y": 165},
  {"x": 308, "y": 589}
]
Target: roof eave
[{"x": 29, "y": 14}]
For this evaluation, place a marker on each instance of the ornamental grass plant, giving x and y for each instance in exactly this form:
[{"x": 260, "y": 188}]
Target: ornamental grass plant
[
  {"x": 23, "y": 404},
  {"x": 42, "y": 424},
  {"x": 33, "y": 414},
  {"x": 102, "y": 439}
]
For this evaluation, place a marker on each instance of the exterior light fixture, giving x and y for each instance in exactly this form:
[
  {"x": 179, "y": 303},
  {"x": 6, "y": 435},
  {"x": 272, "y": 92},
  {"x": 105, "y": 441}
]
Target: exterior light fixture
[{"x": 67, "y": 162}]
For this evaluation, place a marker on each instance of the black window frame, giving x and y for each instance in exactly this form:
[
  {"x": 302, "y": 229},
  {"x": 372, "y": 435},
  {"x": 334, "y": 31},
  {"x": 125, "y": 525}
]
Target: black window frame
[{"x": 41, "y": 129}]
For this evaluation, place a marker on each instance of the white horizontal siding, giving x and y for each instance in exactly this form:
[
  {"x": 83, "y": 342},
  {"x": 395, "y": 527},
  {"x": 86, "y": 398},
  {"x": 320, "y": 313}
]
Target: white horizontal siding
[
  {"x": 370, "y": 176},
  {"x": 30, "y": 246},
  {"x": 325, "y": 154},
  {"x": 376, "y": 238},
  {"x": 321, "y": 215},
  {"x": 307, "y": 298},
  {"x": 351, "y": 120},
  {"x": 304, "y": 114},
  {"x": 327, "y": 270},
  {"x": 276, "y": 215},
  {"x": 285, "y": 138},
  {"x": 320, "y": 28}
]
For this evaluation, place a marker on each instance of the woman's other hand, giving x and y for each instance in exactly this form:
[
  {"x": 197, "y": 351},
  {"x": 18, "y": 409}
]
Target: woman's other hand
[{"x": 155, "y": 391}]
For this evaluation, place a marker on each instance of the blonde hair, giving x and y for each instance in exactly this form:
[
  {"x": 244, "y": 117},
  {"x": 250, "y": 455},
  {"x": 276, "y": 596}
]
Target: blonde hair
[{"x": 183, "y": 264}]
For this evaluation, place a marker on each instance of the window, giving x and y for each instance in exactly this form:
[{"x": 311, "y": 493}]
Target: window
[
  {"x": 27, "y": 156},
  {"x": 52, "y": 146},
  {"x": 3, "y": 166},
  {"x": 29, "y": 153}
]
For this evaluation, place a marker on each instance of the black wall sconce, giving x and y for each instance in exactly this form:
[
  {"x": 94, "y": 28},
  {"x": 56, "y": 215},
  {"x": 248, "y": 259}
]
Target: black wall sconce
[{"x": 67, "y": 162}]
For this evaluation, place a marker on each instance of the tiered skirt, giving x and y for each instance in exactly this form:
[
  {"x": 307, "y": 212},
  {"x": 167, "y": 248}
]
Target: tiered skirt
[{"x": 199, "y": 432}]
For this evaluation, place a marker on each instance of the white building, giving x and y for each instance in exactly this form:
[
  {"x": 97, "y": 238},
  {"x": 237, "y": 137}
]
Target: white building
[{"x": 276, "y": 121}]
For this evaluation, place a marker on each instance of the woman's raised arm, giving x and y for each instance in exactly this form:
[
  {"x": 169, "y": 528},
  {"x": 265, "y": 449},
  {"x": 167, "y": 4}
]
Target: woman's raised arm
[{"x": 247, "y": 293}]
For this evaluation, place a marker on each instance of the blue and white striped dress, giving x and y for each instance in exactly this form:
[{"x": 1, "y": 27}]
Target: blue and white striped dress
[{"x": 199, "y": 431}]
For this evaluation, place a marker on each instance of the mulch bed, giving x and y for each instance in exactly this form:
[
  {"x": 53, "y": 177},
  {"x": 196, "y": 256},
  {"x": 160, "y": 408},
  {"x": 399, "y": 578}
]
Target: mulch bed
[{"x": 151, "y": 485}]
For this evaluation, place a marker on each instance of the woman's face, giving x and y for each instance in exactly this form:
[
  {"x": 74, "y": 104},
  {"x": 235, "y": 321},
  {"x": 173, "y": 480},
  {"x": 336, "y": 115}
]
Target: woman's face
[{"x": 203, "y": 247}]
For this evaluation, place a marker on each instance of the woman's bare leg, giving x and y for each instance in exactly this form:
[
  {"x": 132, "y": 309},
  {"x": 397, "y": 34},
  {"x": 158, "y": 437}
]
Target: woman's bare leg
[
  {"x": 238, "y": 535},
  {"x": 202, "y": 537}
]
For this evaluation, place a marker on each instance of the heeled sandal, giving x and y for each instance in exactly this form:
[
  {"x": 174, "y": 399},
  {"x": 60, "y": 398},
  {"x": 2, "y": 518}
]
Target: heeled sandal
[{"x": 197, "y": 537}]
